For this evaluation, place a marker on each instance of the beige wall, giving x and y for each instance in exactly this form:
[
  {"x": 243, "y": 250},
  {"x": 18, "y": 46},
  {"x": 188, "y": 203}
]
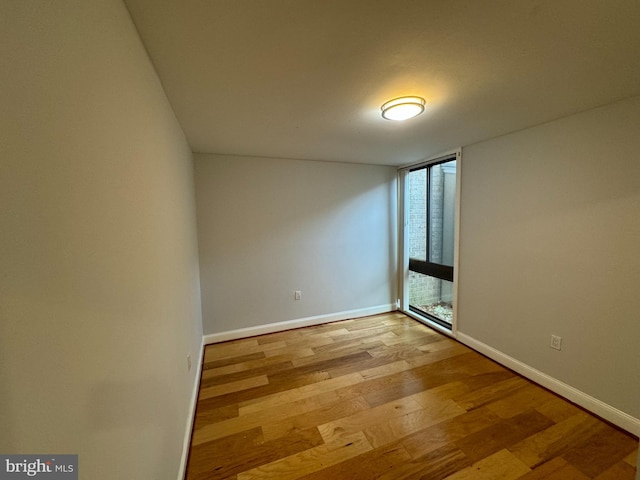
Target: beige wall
[
  {"x": 267, "y": 227},
  {"x": 550, "y": 229},
  {"x": 99, "y": 295}
]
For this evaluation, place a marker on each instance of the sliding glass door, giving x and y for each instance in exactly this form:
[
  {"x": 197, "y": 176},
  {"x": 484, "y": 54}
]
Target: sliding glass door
[{"x": 430, "y": 225}]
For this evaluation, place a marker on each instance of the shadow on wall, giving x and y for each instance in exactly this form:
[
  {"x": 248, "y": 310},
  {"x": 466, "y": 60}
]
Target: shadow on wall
[
  {"x": 7, "y": 437},
  {"x": 116, "y": 406}
]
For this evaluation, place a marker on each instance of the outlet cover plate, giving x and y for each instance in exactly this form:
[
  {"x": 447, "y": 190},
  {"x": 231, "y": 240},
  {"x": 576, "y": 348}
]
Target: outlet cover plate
[{"x": 556, "y": 342}]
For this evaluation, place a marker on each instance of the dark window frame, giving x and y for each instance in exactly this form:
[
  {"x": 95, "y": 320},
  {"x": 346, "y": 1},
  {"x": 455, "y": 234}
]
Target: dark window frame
[{"x": 437, "y": 270}]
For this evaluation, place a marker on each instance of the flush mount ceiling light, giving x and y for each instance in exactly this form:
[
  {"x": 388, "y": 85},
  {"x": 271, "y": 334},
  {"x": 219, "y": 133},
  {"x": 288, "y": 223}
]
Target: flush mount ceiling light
[{"x": 402, "y": 108}]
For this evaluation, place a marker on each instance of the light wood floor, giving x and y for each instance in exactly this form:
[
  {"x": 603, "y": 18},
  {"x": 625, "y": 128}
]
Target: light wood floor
[{"x": 385, "y": 397}]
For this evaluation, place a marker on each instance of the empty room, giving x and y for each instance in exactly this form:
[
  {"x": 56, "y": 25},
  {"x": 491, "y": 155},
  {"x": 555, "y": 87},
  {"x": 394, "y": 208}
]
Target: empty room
[{"x": 297, "y": 239}]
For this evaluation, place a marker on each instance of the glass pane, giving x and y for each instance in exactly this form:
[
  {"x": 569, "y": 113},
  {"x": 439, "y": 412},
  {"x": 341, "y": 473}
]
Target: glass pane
[
  {"x": 442, "y": 200},
  {"x": 432, "y": 296},
  {"x": 418, "y": 214}
]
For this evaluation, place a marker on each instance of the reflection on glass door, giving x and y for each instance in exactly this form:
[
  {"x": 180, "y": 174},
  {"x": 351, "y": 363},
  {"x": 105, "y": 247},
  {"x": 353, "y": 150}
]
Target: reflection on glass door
[{"x": 431, "y": 197}]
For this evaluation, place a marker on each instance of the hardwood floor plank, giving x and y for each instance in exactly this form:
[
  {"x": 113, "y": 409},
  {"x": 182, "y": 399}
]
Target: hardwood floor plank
[
  {"x": 619, "y": 471},
  {"x": 481, "y": 380},
  {"x": 363, "y": 367},
  {"x": 252, "y": 363},
  {"x": 228, "y": 361},
  {"x": 600, "y": 451},
  {"x": 207, "y": 458},
  {"x": 399, "y": 386},
  {"x": 300, "y": 393},
  {"x": 336, "y": 346},
  {"x": 222, "y": 459},
  {"x": 325, "y": 366},
  {"x": 332, "y": 431},
  {"x": 229, "y": 349},
  {"x": 491, "y": 393},
  {"x": 329, "y": 413},
  {"x": 555, "y": 440},
  {"x": 425, "y": 417},
  {"x": 436, "y": 464},
  {"x": 473, "y": 364},
  {"x": 232, "y": 387},
  {"x": 410, "y": 339},
  {"x": 529, "y": 397},
  {"x": 267, "y": 368},
  {"x": 377, "y": 332},
  {"x": 448, "y": 431},
  {"x": 555, "y": 469},
  {"x": 310, "y": 341},
  {"x": 380, "y": 434},
  {"x": 311, "y": 460},
  {"x": 262, "y": 418},
  {"x": 337, "y": 332},
  {"x": 232, "y": 349},
  {"x": 440, "y": 393},
  {"x": 442, "y": 344},
  {"x": 395, "y": 353},
  {"x": 396, "y": 428},
  {"x": 385, "y": 369},
  {"x": 387, "y": 398},
  {"x": 632, "y": 459},
  {"x": 501, "y": 465},
  {"x": 294, "y": 353},
  {"x": 558, "y": 409},
  {"x": 368, "y": 466},
  {"x": 417, "y": 380},
  {"x": 206, "y": 416},
  {"x": 503, "y": 434},
  {"x": 251, "y": 394},
  {"x": 330, "y": 354},
  {"x": 433, "y": 356}
]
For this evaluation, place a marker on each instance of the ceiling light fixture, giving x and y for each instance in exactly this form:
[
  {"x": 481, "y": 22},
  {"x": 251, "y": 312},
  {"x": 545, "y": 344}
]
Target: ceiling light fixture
[{"x": 402, "y": 108}]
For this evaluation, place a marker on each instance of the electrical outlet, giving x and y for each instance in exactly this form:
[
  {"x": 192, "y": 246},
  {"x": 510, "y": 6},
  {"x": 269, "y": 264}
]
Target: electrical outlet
[
  {"x": 556, "y": 342},
  {"x": 188, "y": 362},
  {"x": 297, "y": 295}
]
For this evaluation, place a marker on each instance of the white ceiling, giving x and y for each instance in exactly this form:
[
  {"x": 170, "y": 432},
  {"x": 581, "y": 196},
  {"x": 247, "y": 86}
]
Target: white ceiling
[{"x": 305, "y": 78}]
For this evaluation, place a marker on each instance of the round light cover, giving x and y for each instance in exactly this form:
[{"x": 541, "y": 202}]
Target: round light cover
[{"x": 403, "y": 108}]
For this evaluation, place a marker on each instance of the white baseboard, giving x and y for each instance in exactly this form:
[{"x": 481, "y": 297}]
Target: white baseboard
[
  {"x": 186, "y": 443},
  {"x": 300, "y": 322},
  {"x": 609, "y": 413}
]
